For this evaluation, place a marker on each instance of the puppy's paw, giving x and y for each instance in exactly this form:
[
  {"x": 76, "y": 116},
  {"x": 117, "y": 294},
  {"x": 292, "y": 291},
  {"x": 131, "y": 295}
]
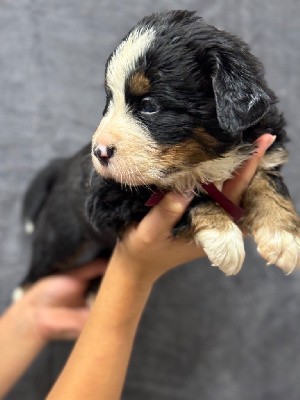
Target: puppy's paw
[
  {"x": 279, "y": 247},
  {"x": 271, "y": 218},
  {"x": 224, "y": 248}
]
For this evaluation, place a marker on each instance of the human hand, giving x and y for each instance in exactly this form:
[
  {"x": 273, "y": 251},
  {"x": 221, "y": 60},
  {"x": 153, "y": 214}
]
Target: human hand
[
  {"x": 55, "y": 306},
  {"x": 149, "y": 250}
]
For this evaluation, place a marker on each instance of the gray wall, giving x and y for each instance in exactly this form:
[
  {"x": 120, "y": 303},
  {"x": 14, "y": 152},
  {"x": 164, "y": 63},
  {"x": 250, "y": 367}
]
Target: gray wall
[{"x": 203, "y": 335}]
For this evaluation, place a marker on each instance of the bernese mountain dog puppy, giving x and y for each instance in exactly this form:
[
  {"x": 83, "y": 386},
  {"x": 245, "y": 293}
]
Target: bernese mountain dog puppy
[{"x": 185, "y": 105}]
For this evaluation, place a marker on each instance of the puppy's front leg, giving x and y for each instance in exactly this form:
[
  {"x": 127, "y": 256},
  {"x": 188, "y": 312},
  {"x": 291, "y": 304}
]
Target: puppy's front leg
[
  {"x": 272, "y": 220},
  {"x": 219, "y": 236}
]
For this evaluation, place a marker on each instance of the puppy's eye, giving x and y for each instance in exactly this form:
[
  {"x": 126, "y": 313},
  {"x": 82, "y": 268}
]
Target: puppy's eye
[{"x": 149, "y": 105}]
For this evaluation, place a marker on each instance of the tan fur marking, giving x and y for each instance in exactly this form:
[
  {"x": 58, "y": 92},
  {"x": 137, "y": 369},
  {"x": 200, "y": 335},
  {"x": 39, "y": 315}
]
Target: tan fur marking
[
  {"x": 188, "y": 153},
  {"x": 262, "y": 201},
  {"x": 209, "y": 215},
  {"x": 191, "y": 152},
  {"x": 219, "y": 236},
  {"x": 139, "y": 84},
  {"x": 209, "y": 142},
  {"x": 216, "y": 170},
  {"x": 274, "y": 223}
]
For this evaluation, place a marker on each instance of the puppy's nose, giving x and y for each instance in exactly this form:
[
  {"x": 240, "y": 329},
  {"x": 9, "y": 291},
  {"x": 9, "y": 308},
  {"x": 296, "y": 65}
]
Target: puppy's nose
[{"x": 104, "y": 153}]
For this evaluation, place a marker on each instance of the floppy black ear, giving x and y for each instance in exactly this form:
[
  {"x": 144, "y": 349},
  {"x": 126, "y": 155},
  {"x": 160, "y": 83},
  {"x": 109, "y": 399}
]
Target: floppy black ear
[{"x": 241, "y": 94}]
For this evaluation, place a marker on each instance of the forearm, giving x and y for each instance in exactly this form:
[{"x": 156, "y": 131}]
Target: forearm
[
  {"x": 97, "y": 366},
  {"x": 20, "y": 342},
  {"x": 98, "y": 363}
]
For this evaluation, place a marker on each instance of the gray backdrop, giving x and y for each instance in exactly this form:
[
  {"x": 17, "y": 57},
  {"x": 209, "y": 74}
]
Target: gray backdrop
[{"x": 203, "y": 336}]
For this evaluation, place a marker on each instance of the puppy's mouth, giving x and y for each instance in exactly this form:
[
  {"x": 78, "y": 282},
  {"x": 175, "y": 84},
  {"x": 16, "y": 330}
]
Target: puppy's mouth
[
  {"x": 131, "y": 175},
  {"x": 128, "y": 172}
]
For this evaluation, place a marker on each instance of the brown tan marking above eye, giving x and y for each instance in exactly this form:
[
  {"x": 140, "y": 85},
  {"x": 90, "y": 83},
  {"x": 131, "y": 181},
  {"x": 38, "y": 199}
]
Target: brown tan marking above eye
[{"x": 139, "y": 84}]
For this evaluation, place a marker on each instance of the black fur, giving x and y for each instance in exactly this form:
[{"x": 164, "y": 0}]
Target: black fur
[
  {"x": 202, "y": 76},
  {"x": 63, "y": 237}
]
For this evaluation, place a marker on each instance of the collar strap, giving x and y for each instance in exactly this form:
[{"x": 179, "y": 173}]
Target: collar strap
[
  {"x": 232, "y": 209},
  {"x": 155, "y": 198}
]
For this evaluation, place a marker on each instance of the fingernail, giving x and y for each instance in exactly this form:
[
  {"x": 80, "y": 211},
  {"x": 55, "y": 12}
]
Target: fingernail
[
  {"x": 189, "y": 194},
  {"x": 271, "y": 140},
  {"x": 183, "y": 198},
  {"x": 267, "y": 138}
]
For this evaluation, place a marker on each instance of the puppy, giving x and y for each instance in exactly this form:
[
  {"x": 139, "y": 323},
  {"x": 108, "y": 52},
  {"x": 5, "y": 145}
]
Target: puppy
[{"x": 185, "y": 104}]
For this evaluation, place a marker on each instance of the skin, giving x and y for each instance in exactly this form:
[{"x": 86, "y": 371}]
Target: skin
[{"x": 54, "y": 307}]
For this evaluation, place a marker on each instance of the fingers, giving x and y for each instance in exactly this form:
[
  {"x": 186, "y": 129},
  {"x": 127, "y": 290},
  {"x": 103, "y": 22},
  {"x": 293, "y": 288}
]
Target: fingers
[
  {"x": 89, "y": 271},
  {"x": 235, "y": 187},
  {"x": 161, "y": 218},
  {"x": 62, "y": 323}
]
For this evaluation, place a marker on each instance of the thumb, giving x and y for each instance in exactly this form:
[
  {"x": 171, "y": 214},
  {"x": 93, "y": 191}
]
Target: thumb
[
  {"x": 162, "y": 218},
  {"x": 235, "y": 187}
]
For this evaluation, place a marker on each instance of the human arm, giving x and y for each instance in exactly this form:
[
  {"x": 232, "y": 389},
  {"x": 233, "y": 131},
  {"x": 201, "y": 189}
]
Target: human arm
[
  {"x": 97, "y": 366},
  {"x": 53, "y": 308}
]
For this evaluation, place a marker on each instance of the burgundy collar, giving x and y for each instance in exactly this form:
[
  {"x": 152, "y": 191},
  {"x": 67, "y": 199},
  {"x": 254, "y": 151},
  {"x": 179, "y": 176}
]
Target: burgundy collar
[
  {"x": 235, "y": 211},
  {"x": 215, "y": 194}
]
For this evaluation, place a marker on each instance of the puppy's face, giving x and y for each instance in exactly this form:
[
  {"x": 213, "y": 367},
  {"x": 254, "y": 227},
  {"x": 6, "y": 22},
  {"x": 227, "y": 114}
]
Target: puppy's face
[{"x": 178, "y": 98}]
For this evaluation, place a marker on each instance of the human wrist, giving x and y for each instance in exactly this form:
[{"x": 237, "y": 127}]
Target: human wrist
[{"x": 131, "y": 269}]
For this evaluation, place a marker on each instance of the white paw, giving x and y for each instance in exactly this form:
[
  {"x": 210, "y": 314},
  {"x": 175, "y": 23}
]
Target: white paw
[
  {"x": 279, "y": 247},
  {"x": 225, "y": 249}
]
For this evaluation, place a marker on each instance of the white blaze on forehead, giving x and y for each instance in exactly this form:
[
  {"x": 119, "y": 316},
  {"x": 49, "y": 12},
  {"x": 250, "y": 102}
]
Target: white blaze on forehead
[
  {"x": 125, "y": 57},
  {"x": 135, "y": 148}
]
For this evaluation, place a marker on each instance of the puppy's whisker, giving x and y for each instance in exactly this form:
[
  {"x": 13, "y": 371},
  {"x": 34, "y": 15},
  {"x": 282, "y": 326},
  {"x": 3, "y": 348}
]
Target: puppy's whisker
[
  {"x": 128, "y": 182},
  {"x": 141, "y": 178}
]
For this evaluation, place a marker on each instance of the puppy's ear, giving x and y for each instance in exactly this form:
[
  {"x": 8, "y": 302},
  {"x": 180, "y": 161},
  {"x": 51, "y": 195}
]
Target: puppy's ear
[{"x": 241, "y": 94}]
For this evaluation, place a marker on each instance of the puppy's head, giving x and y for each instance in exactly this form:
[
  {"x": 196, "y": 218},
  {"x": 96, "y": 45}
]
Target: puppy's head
[{"x": 179, "y": 95}]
